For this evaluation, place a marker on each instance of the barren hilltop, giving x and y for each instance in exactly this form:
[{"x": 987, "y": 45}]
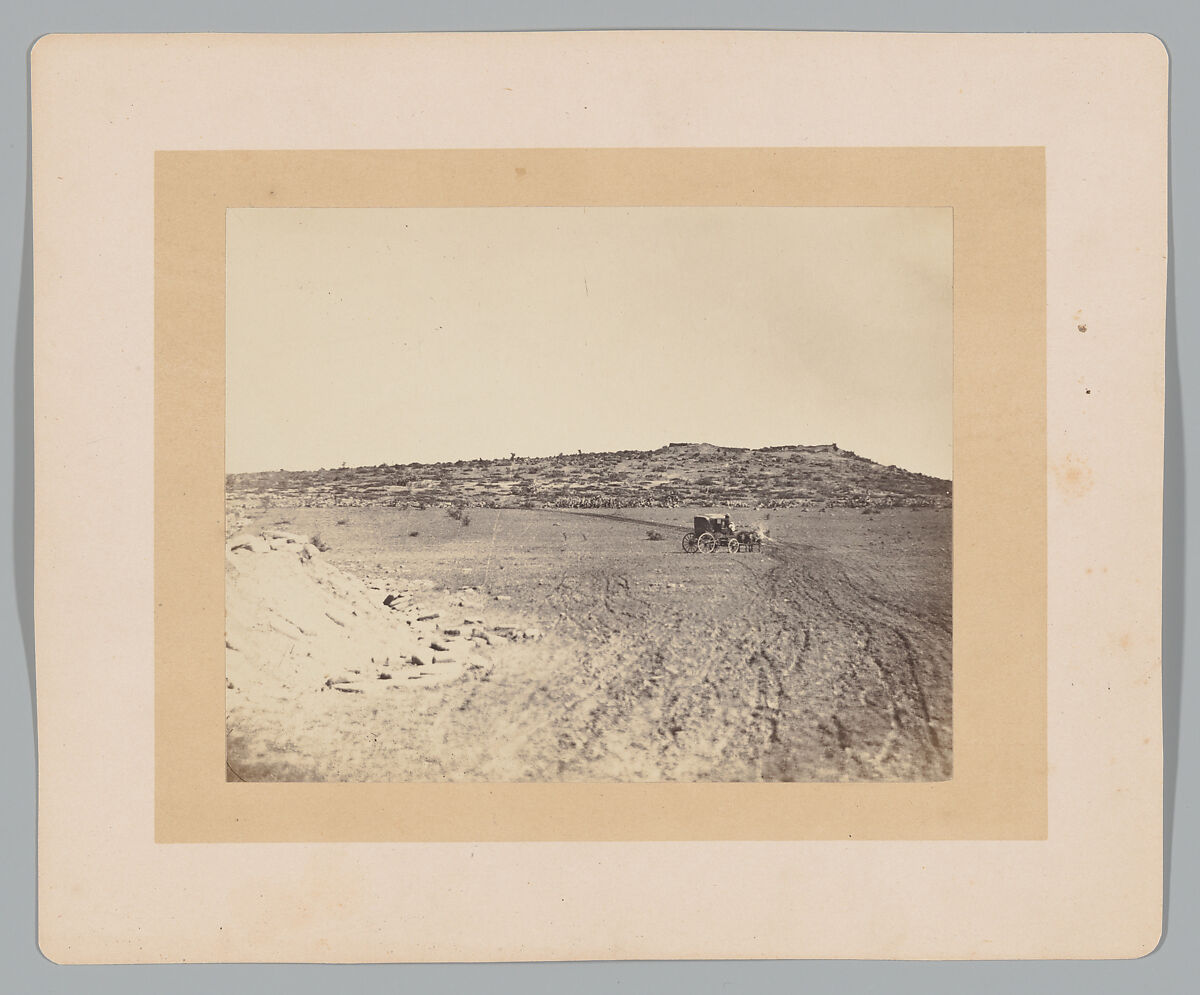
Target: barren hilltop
[{"x": 679, "y": 474}]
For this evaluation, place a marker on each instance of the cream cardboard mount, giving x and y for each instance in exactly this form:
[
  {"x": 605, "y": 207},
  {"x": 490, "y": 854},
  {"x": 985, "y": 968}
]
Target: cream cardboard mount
[{"x": 1045, "y": 841}]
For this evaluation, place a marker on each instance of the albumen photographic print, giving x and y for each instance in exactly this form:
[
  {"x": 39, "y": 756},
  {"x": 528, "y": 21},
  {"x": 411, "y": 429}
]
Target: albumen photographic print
[
  {"x": 598, "y": 495},
  {"x": 589, "y": 494}
]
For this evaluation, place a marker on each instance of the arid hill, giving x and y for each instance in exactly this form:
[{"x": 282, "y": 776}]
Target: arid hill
[{"x": 679, "y": 474}]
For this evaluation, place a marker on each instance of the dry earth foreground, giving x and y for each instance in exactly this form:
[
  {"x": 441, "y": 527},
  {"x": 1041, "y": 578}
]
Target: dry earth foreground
[{"x": 385, "y": 643}]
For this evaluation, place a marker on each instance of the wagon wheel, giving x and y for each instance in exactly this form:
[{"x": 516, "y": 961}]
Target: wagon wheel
[
  {"x": 689, "y": 543},
  {"x": 707, "y": 542},
  {"x": 733, "y": 545}
]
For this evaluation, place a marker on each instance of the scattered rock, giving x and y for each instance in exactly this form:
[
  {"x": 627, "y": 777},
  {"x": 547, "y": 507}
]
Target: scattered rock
[
  {"x": 253, "y": 544},
  {"x": 266, "y": 596},
  {"x": 285, "y": 537}
]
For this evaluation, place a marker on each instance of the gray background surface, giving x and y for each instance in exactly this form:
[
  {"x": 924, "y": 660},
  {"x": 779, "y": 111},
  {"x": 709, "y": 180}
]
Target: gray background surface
[{"x": 1170, "y": 968}]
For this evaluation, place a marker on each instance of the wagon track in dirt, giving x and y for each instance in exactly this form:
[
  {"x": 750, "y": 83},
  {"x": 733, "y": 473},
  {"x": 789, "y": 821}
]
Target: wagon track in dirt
[
  {"x": 823, "y": 658},
  {"x": 800, "y": 674}
]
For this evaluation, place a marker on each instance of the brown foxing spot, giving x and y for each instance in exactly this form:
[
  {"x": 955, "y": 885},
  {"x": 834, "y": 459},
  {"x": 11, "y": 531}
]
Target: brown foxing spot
[{"x": 1073, "y": 476}]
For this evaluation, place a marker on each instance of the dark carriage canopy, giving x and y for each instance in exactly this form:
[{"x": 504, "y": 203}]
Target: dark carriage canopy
[{"x": 710, "y": 533}]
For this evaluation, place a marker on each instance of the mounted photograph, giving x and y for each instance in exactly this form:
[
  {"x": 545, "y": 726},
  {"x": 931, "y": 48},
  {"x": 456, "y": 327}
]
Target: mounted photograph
[{"x": 589, "y": 494}]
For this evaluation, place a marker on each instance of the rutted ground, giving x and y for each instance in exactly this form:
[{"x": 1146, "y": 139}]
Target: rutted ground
[{"x": 825, "y": 657}]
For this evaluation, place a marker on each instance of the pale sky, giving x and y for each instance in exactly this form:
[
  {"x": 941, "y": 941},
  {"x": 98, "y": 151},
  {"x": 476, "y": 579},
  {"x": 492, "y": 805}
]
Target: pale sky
[{"x": 399, "y": 335}]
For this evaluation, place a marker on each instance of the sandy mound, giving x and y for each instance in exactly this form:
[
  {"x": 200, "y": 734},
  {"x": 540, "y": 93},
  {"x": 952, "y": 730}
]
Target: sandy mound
[{"x": 292, "y": 620}]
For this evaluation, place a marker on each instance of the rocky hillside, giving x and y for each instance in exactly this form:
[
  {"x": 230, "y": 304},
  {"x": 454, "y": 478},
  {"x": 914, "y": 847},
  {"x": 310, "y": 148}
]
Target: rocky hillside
[{"x": 676, "y": 475}]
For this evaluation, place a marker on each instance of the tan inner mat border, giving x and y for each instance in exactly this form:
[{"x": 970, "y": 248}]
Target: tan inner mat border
[{"x": 998, "y": 790}]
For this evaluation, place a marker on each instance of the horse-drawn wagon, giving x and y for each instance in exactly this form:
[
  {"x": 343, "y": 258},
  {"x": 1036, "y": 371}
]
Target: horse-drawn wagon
[{"x": 710, "y": 534}]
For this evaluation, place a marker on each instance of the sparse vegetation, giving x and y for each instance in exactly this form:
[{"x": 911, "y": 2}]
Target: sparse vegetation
[
  {"x": 654, "y": 535},
  {"x": 319, "y": 543},
  {"x": 675, "y": 476}
]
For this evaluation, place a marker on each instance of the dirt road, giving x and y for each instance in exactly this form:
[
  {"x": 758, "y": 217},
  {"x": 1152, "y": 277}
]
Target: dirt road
[
  {"x": 810, "y": 661},
  {"x": 799, "y": 674}
]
